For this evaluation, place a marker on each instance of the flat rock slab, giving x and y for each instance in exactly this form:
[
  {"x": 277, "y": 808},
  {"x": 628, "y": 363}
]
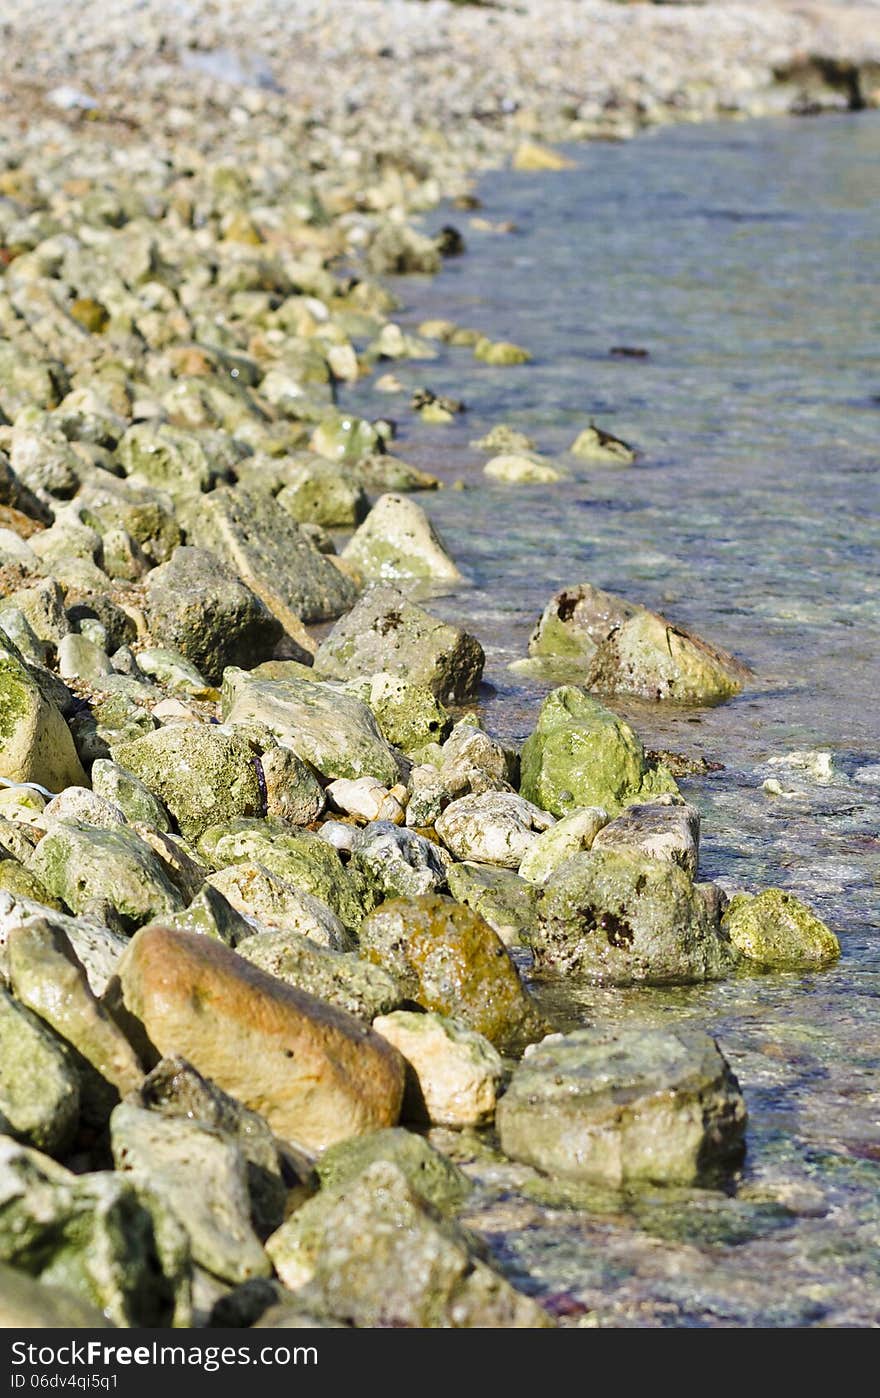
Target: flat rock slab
[{"x": 625, "y": 1108}]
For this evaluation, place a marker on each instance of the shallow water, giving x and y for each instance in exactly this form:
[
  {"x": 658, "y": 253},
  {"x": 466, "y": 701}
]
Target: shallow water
[{"x": 743, "y": 258}]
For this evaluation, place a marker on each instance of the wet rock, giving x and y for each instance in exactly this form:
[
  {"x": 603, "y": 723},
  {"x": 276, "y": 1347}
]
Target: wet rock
[
  {"x": 266, "y": 548},
  {"x": 200, "y": 775},
  {"x": 334, "y": 732},
  {"x": 344, "y": 439},
  {"x": 594, "y": 444},
  {"x": 500, "y": 352},
  {"x": 198, "y": 605},
  {"x": 449, "y": 960},
  {"x": 581, "y": 754},
  {"x": 576, "y": 621},
  {"x": 397, "y": 249},
  {"x": 256, "y": 893},
  {"x": 315, "y": 1073},
  {"x": 503, "y": 438},
  {"x": 82, "y": 863},
  {"x": 125, "y": 791},
  {"x": 386, "y": 632},
  {"x": 375, "y": 1253},
  {"x": 623, "y": 1108},
  {"x": 650, "y": 657},
  {"x": 321, "y": 492},
  {"x": 500, "y": 896},
  {"x": 430, "y": 1173},
  {"x": 202, "y": 1179},
  {"x": 775, "y": 929},
  {"x": 39, "y": 1090},
  {"x": 396, "y": 863},
  {"x": 35, "y": 742},
  {"x": 94, "y": 1236},
  {"x": 453, "y": 1073},
  {"x": 532, "y": 155},
  {"x": 658, "y": 829},
  {"x": 571, "y": 835},
  {"x": 624, "y": 919},
  {"x": 495, "y": 827},
  {"x": 26, "y": 1304},
  {"x": 515, "y": 469},
  {"x": 341, "y": 978},
  {"x": 398, "y": 540}
]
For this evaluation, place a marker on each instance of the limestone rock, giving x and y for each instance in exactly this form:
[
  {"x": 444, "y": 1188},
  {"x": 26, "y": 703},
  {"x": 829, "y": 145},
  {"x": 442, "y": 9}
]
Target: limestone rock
[
  {"x": 495, "y": 827},
  {"x": 81, "y": 863},
  {"x": 200, "y": 775},
  {"x": 397, "y": 540},
  {"x": 775, "y": 929},
  {"x": 340, "y": 978},
  {"x": 35, "y": 742},
  {"x": 659, "y": 829},
  {"x": 501, "y": 897},
  {"x": 571, "y": 835},
  {"x": 654, "y": 659},
  {"x": 39, "y": 1091},
  {"x": 256, "y": 893},
  {"x": 396, "y": 863},
  {"x": 453, "y": 1073}
]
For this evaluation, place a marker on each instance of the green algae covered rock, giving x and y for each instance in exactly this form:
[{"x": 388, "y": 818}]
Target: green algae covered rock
[
  {"x": 168, "y": 458},
  {"x": 199, "y": 774},
  {"x": 624, "y": 1108},
  {"x": 94, "y": 1236},
  {"x": 408, "y": 714},
  {"x": 428, "y": 1172},
  {"x": 649, "y": 657},
  {"x": 341, "y": 978},
  {"x": 39, "y": 1090},
  {"x": 625, "y": 919},
  {"x": 575, "y": 621},
  {"x": 82, "y": 863},
  {"x": 501, "y": 352},
  {"x": 35, "y": 742},
  {"x": 500, "y": 896},
  {"x": 321, "y": 492},
  {"x": 26, "y": 1304},
  {"x": 21, "y": 882},
  {"x": 343, "y": 438},
  {"x": 125, "y": 790},
  {"x": 269, "y": 901},
  {"x": 777, "y": 930},
  {"x": 398, "y": 540},
  {"x": 571, "y": 835},
  {"x": 375, "y": 1253},
  {"x": 449, "y": 960},
  {"x": 581, "y": 754}
]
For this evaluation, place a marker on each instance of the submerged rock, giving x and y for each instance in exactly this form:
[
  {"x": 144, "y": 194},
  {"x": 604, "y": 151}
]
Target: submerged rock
[
  {"x": 775, "y": 929},
  {"x": 594, "y": 444},
  {"x": 576, "y": 621},
  {"x": 624, "y": 1108}
]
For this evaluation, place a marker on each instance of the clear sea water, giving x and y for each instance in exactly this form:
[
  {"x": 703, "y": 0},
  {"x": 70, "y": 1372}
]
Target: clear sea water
[{"x": 743, "y": 258}]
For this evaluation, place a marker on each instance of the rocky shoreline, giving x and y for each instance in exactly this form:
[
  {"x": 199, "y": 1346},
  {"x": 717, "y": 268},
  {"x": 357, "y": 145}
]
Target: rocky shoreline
[{"x": 270, "y": 896}]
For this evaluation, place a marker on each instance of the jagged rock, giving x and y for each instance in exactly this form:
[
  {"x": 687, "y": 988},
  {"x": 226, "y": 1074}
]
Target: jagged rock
[
  {"x": 658, "y": 829},
  {"x": 453, "y": 1073},
  {"x": 775, "y": 929},
  {"x": 39, "y": 1090},
  {"x": 398, "y": 540},
  {"x": 571, "y": 835}
]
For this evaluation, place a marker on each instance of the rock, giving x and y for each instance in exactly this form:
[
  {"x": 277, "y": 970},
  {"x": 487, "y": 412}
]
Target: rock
[
  {"x": 276, "y": 1175},
  {"x": 26, "y": 1304},
  {"x": 396, "y": 863},
  {"x": 271, "y": 555},
  {"x": 200, "y": 775},
  {"x": 449, "y": 960},
  {"x": 434, "y": 1177},
  {"x": 576, "y": 621},
  {"x": 80, "y": 659},
  {"x": 624, "y": 1108},
  {"x": 43, "y": 607},
  {"x": 625, "y": 919},
  {"x": 500, "y": 896},
  {"x": 500, "y": 352},
  {"x": 313, "y": 1072},
  {"x": 212, "y": 915},
  {"x": 94, "y": 1236},
  {"x": 650, "y": 657},
  {"x": 341, "y": 978},
  {"x": 202, "y": 1178},
  {"x": 409, "y": 715},
  {"x": 581, "y": 754},
  {"x": 571, "y": 835},
  {"x": 173, "y": 671},
  {"x": 35, "y": 742},
  {"x": 256, "y": 893},
  {"x": 123, "y": 790},
  {"x": 300, "y": 857},
  {"x": 81, "y": 863},
  {"x": 454, "y": 1073},
  {"x": 79, "y": 806},
  {"x": 334, "y": 732},
  {"x": 185, "y": 871},
  {"x": 515, "y": 469},
  {"x": 198, "y": 605},
  {"x": 344, "y": 439},
  {"x": 375, "y": 1254},
  {"x": 20, "y": 882},
  {"x": 531, "y": 156},
  {"x": 503, "y": 438},
  {"x": 367, "y": 799},
  {"x": 48, "y": 979},
  {"x": 396, "y": 249},
  {"x": 166, "y": 458},
  {"x": 293, "y": 792},
  {"x": 39, "y": 1091},
  {"x": 775, "y": 929},
  {"x": 96, "y": 948},
  {"x": 397, "y": 540},
  {"x": 657, "y": 829},
  {"x": 495, "y": 827},
  {"x": 386, "y": 632},
  {"x": 593, "y": 444},
  {"x": 321, "y": 492},
  {"x": 472, "y": 761}
]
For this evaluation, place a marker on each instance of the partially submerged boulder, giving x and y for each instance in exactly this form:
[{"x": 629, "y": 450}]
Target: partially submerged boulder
[
  {"x": 651, "y": 657},
  {"x": 776, "y": 930}
]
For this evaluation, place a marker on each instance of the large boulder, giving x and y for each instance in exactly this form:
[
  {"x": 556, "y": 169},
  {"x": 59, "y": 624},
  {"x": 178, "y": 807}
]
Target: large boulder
[
  {"x": 197, "y": 605},
  {"x": 200, "y": 775},
  {"x": 660, "y": 829},
  {"x": 386, "y": 632},
  {"x": 84, "y": 865},
  {"x": 272, "y": 556},
  {"x": 627, "y": 919},
  {"x": 581, "y": 754},
  {"x": 35, "y": 742},
  {"x": 314, "y": 1072},
  {"x": 398, "y": 540},
  {"x": 651, "y": 657},
  {"x": 777, "y": 930},
  {"x": 576, "y": 621},
  {"x": 449, "y": 960},
  {"x": 624, "y": 1107},
  {"x": 334, "y": 732}
]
